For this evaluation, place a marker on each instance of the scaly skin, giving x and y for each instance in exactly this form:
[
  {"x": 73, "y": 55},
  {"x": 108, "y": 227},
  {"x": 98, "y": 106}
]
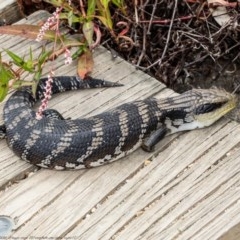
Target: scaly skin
[{"x": 55, "y": 143}]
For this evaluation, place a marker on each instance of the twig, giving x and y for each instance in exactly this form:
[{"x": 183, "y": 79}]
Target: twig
[
  {"x": 143, "y": 47},
  {"x": 136, "y": 12},
  {"x": 166, "y": 21},
  {"x": 82, "y": 8},
  {"x": 152, "y": 16},
  {"x": 159, "y": 61}
]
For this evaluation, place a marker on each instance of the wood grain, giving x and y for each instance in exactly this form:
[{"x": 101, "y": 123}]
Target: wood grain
[{"x": 187, "y": 189}]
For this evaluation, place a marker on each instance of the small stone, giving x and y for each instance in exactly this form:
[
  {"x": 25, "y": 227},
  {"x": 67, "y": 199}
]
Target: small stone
[{"x": 6, "y": 225}]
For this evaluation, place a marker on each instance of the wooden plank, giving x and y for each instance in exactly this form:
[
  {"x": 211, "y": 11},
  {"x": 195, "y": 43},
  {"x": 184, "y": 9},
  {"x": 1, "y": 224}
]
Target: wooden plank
[
  {"x": 232, "y": 234},
  {"x": 13, "y": 169},
  {"x": 90, "y": 103},
  {"x": 9, "y": 11},
  {"x": 161, "y": 196},
  {"x": 186, "y": 189}
]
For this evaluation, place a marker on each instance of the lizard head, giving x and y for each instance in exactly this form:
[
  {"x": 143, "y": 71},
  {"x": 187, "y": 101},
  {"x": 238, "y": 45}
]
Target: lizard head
[
  {"x": 211, "y": 104},
  {"x": 197, "y": 108}
]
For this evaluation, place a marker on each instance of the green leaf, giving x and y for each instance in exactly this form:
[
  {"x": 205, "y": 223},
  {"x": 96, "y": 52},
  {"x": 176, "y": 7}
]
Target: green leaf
[
  {"x": 37, "y": 76},
  {"x": 31, "y": 54},
  {"x": 118, "y": 3},
  {"x": 34, "y": 87},
  {"x": 80, "y": 50},
  {"x": 5, "y": 76},
  {"x": 88, "y": 28},
  {"x": 28, "y": 66},
  {"x": 104, "y": 13},
  {"x": 3, "y": 92},
  {"x": 70, "y": 18},
  {"x": 55, "y": 2},
  {"x": 16, "y": 59},
  {"x": 91, "y": 9},
  {"x": 106, "y": 21},
  {"x": 105, "y": 3},
  {"x": 22, "y": 83},
  {"x": 71, "y": 42},
  {"x": 43, "y": 57}
]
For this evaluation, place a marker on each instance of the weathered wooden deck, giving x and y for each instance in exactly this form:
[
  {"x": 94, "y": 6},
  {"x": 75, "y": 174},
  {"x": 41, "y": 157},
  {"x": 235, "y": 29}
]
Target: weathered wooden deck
[
  {"x": 189, "y": 188},
  {"x": 9, "y": 11}
]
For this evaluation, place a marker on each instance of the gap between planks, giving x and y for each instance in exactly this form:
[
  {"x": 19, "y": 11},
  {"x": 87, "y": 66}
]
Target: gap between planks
[{"x": 168, "y": 197}]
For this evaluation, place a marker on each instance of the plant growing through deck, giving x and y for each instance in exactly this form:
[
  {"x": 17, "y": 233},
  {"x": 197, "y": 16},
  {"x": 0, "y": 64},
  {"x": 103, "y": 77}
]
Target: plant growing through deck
[{"x": 86, "y": 16}]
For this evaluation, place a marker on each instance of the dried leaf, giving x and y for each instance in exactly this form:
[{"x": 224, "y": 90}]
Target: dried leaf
[
  {"x": 222, "y": 3},
  {"x": 221, "y": 15},
  {"x": 85, "y": 64},
  {"x": 26, "y": 31},
  {"x": 147, "y": 162},
  {"x": 31, "y": 32}
]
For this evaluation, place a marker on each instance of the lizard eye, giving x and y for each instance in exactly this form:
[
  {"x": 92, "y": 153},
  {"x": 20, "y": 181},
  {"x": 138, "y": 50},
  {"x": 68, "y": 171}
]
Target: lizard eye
[{"x": 208, "y": 107}]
